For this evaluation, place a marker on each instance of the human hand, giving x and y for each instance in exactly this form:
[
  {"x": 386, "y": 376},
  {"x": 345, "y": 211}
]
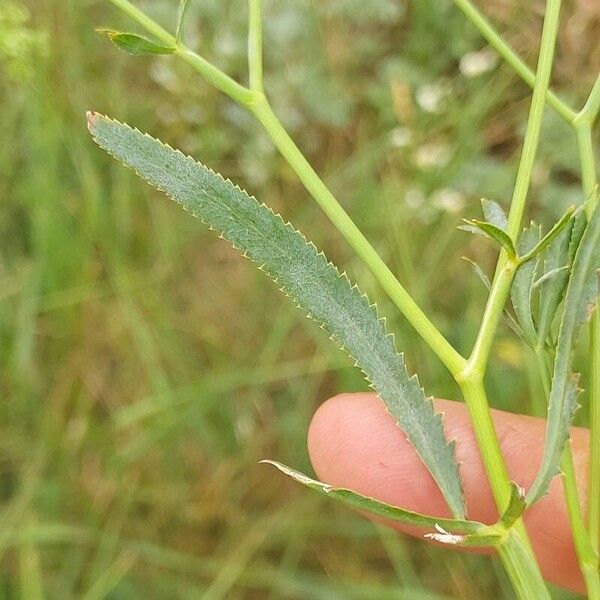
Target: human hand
[{"x": 354, "y": 443}]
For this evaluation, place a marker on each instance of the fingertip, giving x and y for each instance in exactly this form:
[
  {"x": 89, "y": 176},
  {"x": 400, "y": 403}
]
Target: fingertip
[{"x": 353, "y": 442}]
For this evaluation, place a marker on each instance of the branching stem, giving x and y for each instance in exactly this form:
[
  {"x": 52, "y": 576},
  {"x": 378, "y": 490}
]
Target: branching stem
[
  {"x": 220, "y": 80},
  {"x": 471, "y": 380},
  {"x": 511, "y": 57},
  {"x": 583, "y": 129}
]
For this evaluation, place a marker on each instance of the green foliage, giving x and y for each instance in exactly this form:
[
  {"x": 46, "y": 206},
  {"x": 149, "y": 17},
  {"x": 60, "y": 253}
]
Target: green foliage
[
  {"x": 301, "y": 272},
  {"x": 554, "y": 232},
  {"x": 130, "y": 364},
  {"x": 581, "y": 298},
  {"x": 492, "y": 232},
  {"x": 381, "y": 509},
  {"x": 516, "y": 506},
  {"x": 494, "y": 214},
  {"x": 135, "y": 44},
  {"x": 522, "y": 288}
]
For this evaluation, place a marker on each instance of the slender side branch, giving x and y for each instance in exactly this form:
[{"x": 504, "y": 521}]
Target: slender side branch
[
  {"x": 220, "y": 80},
  {"x": 453, "y": 361},
  {"x": 583, "y": 129},
  {"x": 592, "y": 107},
  {"x": 489, "y": 323},
  {"x": 502, "y": 281},
  {"x": 257, "y": 103},
  {"x": 536, "y": 113},
  {"x": 255, "y": 53},
  {"x": 511, "y": 57}
]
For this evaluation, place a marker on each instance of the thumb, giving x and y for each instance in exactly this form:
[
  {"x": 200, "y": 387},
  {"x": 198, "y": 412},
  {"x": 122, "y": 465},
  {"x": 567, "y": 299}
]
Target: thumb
[{"x": 354, "y": 443}]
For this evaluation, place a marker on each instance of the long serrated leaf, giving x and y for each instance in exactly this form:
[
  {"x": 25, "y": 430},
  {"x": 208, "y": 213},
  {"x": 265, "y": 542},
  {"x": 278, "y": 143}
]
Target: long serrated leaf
[
  {"x": 376, "y": 507},
  {"x": 135, "y": 44},
  {"x": 304, "y": 274},
  {"x": 563, "y": 394},
  {"x": 494, "y": 214},
  {"x": 522, "y": 288},
  {"x": 491, "y": 231}
]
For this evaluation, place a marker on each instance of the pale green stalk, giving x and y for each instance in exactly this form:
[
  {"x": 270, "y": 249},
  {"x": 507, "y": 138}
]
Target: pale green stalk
[
  {"x": 511, "y": 57},
  {"x": 515, "y": 554},
  {"x": 255, "y": 45},
  {"x": 505, "y": 270},
  {"x": 583, "y": 129},
  {"x": 471, "y": 380},
  {"x": 338, "y": 216},
  {"x": 586, "y": 555}
]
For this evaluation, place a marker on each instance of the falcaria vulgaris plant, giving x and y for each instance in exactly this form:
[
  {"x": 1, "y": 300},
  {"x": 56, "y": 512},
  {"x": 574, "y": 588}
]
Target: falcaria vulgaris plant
[{"x": 551, "y": 279}]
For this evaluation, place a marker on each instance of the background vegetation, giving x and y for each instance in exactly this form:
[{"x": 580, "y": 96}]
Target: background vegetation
[{"x": 145, "y": 368}]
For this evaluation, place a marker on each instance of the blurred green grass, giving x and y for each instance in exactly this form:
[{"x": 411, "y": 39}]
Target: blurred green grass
[{"x": 145, "y": 368}]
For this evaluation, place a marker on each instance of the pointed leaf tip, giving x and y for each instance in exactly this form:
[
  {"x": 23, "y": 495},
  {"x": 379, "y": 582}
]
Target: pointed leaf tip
[
  {"x": 91, "y": 118},
  {"x": 491, "y": 231},
  {"x": 135, "y": 44}
]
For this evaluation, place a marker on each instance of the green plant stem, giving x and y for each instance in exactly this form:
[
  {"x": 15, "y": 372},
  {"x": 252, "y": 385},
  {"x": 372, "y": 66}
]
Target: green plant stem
[
  {"x": 255, "y": 58},
  {"x": 516, "y": 552},
  {"x": 536, "y": 113},
  {"x": 489, "y": 324},
  {"x": 593, "y": 517},
  {"x": 583, "y": 130},
  {"x": 338, "y": 216},
  {"x": 524, "y": 574},
  {"x": 511, "y": 57},
  {"x": 257, "y": 104},
  {"x": 504, "y": 272},
  {"x": 489, "y": 446},
  {"x": 211, "y": 73},
  {"x": 471, "y": 380},
  {"x": 592, "y": 106},
  {"x": 586, "y": 555}
]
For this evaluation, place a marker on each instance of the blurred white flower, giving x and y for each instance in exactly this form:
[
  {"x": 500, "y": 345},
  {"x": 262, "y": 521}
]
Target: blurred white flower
[
  {"x": 474, "y": 64},
  {"x": 400, "y": 137},
  {"x": 431, "y": 95},
  {"x": 448, "y": 200},
  {"x": 414, "y": 198},
  {"x": 435, "y": 154}
]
